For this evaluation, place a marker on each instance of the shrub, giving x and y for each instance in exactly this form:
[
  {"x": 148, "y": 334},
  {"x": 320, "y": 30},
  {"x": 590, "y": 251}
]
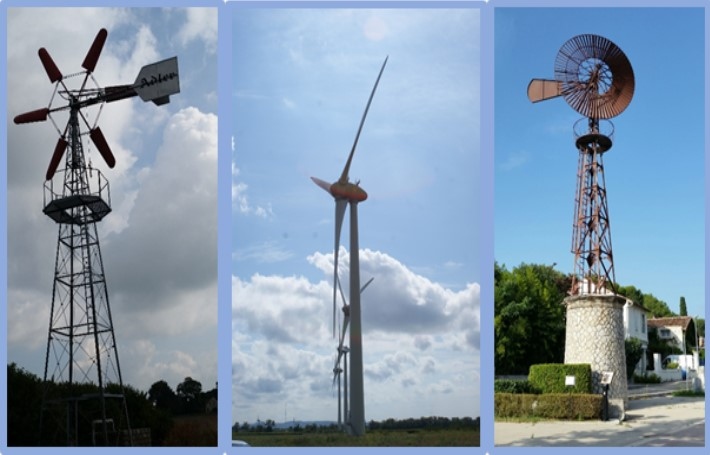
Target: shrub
[
  {"x": 672, "y": 366},
  {"x": 550, "y": 378},
  {"x": 514, "y": 386},
  {"x": 563, "y": 406},
  {"x": 647, "y": 379}
]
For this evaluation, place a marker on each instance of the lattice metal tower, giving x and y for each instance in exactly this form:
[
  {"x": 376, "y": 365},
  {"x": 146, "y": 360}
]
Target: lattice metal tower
[
  {"x": 84, "y": 402},
  {"x": 596, "y": 79},
  {"x": 81, "y": 345}
]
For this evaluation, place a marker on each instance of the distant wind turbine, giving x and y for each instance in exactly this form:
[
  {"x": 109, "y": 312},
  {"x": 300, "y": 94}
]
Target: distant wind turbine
[{"x": 344, "y": 192}]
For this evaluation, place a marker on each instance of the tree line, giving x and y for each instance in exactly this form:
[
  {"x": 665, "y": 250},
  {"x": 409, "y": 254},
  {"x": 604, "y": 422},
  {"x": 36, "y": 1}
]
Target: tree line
[
  {"x": 422, "y": 423},
  {"x": 24, "y": 403}
]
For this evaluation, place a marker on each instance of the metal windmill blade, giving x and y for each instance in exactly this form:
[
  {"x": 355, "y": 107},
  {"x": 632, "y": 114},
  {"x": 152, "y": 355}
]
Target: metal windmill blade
[{"x": 595, "y": 77}]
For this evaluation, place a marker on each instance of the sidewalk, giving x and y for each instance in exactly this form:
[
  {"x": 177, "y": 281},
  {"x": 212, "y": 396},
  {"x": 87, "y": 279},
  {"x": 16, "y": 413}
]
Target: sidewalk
[{"x": 668, "y": 421}]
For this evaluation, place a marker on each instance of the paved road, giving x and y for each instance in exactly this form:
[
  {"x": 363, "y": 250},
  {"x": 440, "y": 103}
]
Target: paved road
[{"x": 655, "y": 421}]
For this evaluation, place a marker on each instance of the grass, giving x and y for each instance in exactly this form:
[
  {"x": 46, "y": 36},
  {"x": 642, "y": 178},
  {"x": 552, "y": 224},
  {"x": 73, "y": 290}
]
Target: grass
[
  {"x": 688, "y": 393},
  {"x": 375, "y": 438},
  {"x": 199, "y": 430}
]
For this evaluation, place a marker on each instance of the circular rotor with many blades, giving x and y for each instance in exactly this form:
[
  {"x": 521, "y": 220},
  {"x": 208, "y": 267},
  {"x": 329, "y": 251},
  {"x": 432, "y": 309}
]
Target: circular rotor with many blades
[{"x": 594, "y": 76}]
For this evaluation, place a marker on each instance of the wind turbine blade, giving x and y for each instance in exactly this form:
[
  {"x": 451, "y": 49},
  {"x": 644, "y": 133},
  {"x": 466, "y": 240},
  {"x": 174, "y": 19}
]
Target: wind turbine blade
[
  {"x": 346, "y": 169},
  {"x": 40, "y": 115},
  {"x": 346, "y": 322},
  {"x": 49, "y": 66},
  {"x": 56, "y": 158},
  {"x": 342, "y": 294},
  {"x": 94, "y": 51},
  {"x": 321, "y": 183},
  {"x": 543, "y": 89},
  {"x": 340, "y": 206},
  {"x": 366, "y": 284}
]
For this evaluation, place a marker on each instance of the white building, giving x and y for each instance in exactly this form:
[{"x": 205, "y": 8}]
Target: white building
[
  {"x": 636, "y": 326},
  {"x": 673, "y": 330}
]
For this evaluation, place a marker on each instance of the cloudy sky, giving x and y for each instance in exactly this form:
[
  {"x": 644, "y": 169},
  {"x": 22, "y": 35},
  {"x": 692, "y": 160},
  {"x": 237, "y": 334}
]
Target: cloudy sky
[
  {"x": 301, "y": 79},
  {"x": 654, "y": 171},
  {"x": 159, "y": 243}
]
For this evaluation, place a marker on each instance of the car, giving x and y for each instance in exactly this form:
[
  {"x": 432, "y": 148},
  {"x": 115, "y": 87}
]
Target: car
[{"x": 238, "y": 443}]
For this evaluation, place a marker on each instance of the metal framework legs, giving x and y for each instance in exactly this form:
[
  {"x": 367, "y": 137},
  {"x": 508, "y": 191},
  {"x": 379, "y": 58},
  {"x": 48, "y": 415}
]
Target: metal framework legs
[
  {"x": 591, "y": 238},
  {"x": 83, "y": 388}
]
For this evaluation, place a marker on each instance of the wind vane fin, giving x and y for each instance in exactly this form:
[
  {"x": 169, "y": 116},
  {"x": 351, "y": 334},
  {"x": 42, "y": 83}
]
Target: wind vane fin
[{"x": 543, "y": 89}]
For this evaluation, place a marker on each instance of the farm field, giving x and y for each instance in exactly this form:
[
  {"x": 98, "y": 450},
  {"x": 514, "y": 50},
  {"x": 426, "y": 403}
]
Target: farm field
[{"x": 375, "y": 438}]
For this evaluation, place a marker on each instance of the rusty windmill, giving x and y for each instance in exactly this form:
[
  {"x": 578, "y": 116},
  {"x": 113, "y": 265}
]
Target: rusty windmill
[{"x": 596, "y": 79}]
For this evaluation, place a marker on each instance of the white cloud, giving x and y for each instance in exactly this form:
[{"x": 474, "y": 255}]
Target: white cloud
[
  {"x": 515, "y": 160},
  {"x": 283, "y": 350},
  {"x": 201, "y": 25},
  {"x": 265, "y": 253}
]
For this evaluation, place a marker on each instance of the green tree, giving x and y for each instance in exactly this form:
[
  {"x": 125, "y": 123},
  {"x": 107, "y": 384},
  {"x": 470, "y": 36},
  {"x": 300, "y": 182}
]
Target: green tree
[
  {"x": 683, "y": 307},
  {"x": 190, "y": 393},
  {"x": 634, "y": 352},
  {"x": 162, "y": 396},
  {"x": 529, "y": 319},
  {"x": 658, "y": 308},
  {"x": 631, "y": 293}
]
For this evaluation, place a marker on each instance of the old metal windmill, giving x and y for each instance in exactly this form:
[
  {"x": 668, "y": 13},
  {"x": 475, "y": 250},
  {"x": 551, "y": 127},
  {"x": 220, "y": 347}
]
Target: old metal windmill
[
  {"x": 596, "y": 79},
  {"x": 84, "y": 402}
]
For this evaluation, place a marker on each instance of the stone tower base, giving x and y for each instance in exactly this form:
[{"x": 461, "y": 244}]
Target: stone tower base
[{"x": 595, "y": 335}]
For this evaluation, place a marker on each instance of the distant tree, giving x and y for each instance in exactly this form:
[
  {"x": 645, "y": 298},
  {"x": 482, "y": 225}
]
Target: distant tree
[
  {"x": 24, "y": 398},
  {"x": 657, "y": 307},
  {"x": 631, "y": 293},
  {"x": 634, "y": 353},
  {"x": 189, "y": 391},
  {"x": 700, "y": 326},
  {"x": 162, "y": 396},
  {"x": 683, "y": 307},
  {"x": 529, "y": 318}
]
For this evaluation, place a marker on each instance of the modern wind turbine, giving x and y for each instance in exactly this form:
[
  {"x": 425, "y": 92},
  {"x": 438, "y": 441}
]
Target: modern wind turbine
[{"x": 345, "y": 192}]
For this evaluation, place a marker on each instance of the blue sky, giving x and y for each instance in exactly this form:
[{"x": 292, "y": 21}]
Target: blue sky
[
  {"x": 160, "y": 263},
  {"x": 301, "y": 81},
  {"x": 654, "y": 171}
]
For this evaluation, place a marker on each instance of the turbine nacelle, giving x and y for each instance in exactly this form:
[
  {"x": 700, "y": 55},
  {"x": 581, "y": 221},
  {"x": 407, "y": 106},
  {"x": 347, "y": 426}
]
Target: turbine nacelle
[{"x": 351, "y": 192}]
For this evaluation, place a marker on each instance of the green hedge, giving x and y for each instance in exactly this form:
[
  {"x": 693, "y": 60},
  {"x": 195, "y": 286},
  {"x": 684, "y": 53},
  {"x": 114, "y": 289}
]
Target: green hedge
[
  {"x": 562, "y": 406},
  {"x": 650, "y": 378},
  {"x": 514, "y": 386},
  {"x": 550, "y": 377}
]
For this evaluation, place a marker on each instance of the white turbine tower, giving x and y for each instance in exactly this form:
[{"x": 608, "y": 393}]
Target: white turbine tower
[{"x": 344, "y": 192}]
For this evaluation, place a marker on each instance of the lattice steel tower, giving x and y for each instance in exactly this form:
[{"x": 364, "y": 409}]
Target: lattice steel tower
[{"x": 84, "y": 402}]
